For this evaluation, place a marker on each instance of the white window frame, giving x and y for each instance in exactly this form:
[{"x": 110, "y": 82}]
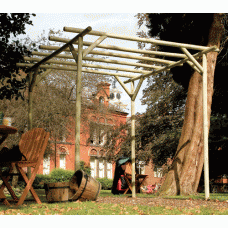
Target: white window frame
[
  {"x": 158, "y": 172},
  {"x": 141, "y": 167},
  {"x": 46, "y": 165},
  {"x": 62, "y": 162}
]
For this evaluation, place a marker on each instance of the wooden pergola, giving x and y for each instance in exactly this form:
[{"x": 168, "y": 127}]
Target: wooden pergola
[{"x": 158, "y": 65}]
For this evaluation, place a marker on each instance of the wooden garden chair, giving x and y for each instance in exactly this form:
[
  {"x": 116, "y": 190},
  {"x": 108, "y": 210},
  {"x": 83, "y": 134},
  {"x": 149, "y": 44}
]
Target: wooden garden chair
[
  {"x": 32, "y": 144},
  {"x": 139, "y": 178}
]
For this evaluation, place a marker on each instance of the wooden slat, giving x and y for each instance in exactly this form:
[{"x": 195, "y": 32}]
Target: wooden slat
[
  {"x": 178, "y": 63},
  {"x": 117, "y": 48},
  {"x": 119, "y": 55},
  {"x": 138, "y": 39},
  {"x": 82, "y": 33},
  {"x": 112, "y": 61},
  {"x": 75, "y": 69},
  {"x": 87, "y": 65}
]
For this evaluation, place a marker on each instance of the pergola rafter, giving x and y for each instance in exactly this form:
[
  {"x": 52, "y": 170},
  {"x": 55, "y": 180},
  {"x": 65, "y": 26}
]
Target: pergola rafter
[{"x": 158, "y": 65}]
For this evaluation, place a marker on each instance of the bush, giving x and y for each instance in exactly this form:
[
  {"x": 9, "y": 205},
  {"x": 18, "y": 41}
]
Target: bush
[
  {"x": 56, "y": 175},
  {"x": 105, "y": 183},
  {"x": 85, "y": 168},
  {"x": 61, "y": 175}
]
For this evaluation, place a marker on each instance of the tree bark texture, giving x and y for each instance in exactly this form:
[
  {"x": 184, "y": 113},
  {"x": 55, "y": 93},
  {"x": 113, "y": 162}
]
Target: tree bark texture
[{"x": 184, "y": 174}]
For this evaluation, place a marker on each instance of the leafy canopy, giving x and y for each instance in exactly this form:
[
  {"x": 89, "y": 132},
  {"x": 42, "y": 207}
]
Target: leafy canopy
[{"x": 11, "y": 52}]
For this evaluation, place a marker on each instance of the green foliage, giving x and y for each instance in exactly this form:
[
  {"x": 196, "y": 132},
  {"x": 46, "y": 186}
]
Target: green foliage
[
  {"x": 105, "y": 183},
  {"x": 61, "y": 175},
  {"x": 85, "y": 168},
  {"x": 56, "y": 175},
  {"x": 218, "y": 145},
  {"x": 11, "y": 52}
]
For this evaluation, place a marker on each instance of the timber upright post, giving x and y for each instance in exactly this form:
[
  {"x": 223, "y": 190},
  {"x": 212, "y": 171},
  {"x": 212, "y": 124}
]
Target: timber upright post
[
  {"x": 78, "y": 103},
  {"x": 205, "y": 130},
  {"x": 133, "y": 141}
]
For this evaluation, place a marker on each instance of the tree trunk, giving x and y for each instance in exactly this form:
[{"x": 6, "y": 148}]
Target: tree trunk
[{"x": 184, "y": 175}]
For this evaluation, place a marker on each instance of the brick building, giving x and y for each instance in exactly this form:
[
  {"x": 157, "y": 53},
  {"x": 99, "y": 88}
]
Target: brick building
[{"x": 92, "y": 139}]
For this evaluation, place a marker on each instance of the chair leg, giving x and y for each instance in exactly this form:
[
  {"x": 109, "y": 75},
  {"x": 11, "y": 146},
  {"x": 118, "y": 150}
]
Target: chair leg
[
  {"x": 128, "y": 183},
  {"x": 6, "y": 202},
  {"x": 28, "y": 187},
  {"x": 3, "y": 198},
  {"x": 7, "y": 185}
]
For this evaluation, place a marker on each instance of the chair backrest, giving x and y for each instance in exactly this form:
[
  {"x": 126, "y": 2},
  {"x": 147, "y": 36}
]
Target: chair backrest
[
  {"x": 33, "y": 144},
  {"x": 128, "y": 169}
]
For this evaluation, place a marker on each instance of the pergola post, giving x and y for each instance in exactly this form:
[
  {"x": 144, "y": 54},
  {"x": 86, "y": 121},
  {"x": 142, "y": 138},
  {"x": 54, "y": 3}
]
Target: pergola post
[
  {"x": 32, "y": 82},
  {"x": 133, "y": 141},
  {"x": 78, "y": 103},
  {"x": 205, "y": 129}
]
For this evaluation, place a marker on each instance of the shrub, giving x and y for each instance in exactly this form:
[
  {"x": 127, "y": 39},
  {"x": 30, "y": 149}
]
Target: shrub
[
  {"x": 61, "y": 175},
  {"x": 105, "y": 183},
  {"x": 56, "y": 175},
  {"x": 85, "y": 168}
]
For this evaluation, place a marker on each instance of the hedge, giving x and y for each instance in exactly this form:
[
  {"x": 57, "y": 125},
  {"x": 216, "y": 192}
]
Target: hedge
[{"x": 105, "y": 183}]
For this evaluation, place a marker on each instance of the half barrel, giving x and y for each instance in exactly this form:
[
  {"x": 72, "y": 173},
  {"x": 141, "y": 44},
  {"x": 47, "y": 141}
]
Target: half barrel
[
  {"x": 83, "y": 187},
  {"x": 56, "y": 192}
]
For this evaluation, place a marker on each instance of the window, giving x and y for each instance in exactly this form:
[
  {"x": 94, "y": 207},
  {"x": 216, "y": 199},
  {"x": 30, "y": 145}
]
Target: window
[
  {"x": 46, "y": 165},
  {"x": 101, "y": 137},
  {"x": 98, "y": 134},
  {"x": 100, "y": 168},
  {"x": 93, "y": 167},
  {"x": 109, "y": 170},
  {"x": 101, "y": 101},
  {"x": 141, "y": 167},
  {"x": 62, "y": 164},
  {"x": 158, "y": 172},
  {"x": 93, "y": 136}
]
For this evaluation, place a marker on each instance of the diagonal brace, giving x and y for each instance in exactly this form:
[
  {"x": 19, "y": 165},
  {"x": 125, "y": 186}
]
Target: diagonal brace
[
  {"x": 193, "y": 60},
  {"x": 137, "y": 89},
  {"x": 124, "y": 87},
  {"x": 93, "y": 45}
]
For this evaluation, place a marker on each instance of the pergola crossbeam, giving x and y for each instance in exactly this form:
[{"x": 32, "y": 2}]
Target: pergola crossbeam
[
  {"x": 55, "y": 67},
  {"x": 70, "y": 63},
  {"x": 178, "y": 63},
  {"x": 111, "y": 61},
  {"x": 83, "y": 33},
  {"x": 119, "y": 55},
  {"x": 144, "y": 40},
  {"x": 118, "y": 48}
]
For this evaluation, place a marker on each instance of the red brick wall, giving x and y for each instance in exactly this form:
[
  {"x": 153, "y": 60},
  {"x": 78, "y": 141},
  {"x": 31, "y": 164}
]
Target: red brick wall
[
  {"x": 151, "y": 180},
  {"x": 115, "y": 118}
]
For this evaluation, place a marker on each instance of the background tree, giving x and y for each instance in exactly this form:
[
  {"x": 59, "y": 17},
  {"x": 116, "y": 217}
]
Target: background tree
[
  {"x": 11, "y": 52},
  {"x": 208, "y": 30}
]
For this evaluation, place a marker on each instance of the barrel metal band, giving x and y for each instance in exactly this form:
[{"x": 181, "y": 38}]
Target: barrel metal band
[{"x": 99, "y": 187}]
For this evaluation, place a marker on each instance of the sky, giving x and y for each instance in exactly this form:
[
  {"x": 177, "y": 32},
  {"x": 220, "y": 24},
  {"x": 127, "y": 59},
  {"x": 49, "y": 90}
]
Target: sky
[{"x": 118, "y": 23}]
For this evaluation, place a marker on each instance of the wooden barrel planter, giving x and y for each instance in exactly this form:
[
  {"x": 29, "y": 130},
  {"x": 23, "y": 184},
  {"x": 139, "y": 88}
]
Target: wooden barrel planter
[
  {"x": 57, "y": 192},
  {"x": 83, "y": 187}
]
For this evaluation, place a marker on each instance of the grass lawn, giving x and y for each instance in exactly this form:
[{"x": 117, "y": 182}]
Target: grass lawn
[{"x": 98, "y": 208}]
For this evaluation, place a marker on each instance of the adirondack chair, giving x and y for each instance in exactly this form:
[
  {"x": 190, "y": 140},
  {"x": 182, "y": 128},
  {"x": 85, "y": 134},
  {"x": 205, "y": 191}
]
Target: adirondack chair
[
  {"x": 32, "y": 144},
  {"x": 139, "y": 178}
]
